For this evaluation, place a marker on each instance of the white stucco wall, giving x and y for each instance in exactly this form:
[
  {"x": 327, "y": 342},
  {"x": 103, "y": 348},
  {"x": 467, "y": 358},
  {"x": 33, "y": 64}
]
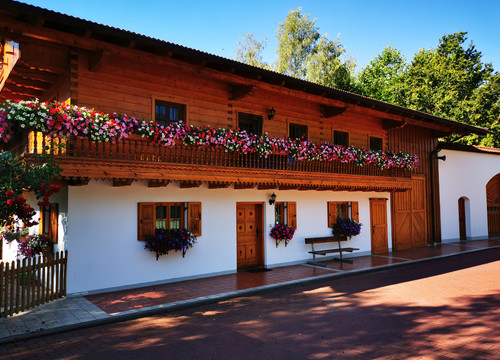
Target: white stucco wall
[
  {"x": 465, "y": 174},
  {"x": 102, "y": 232}
]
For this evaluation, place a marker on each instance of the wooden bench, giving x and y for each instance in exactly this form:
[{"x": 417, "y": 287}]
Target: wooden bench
[{"x": 327, "y": 239}]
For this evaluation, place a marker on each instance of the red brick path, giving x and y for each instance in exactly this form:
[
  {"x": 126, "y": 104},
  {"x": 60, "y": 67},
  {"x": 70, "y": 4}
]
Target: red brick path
[{"x": 440, "y": 309}]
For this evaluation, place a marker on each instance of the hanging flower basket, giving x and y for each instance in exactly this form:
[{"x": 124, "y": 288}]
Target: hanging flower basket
[
  {"x": 164, "y": 241},
  {"x": 346, "y": 227},
  {"x": 282, "y": 232}
]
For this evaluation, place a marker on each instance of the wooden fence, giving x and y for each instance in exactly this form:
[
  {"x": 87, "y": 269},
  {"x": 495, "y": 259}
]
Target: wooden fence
[{"x": 28, "y": 283}]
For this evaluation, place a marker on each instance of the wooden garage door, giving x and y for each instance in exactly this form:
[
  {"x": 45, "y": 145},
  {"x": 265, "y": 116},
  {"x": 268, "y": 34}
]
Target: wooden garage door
[
  {"x": 493, "y": 204},
  {"x": 409, "y": 211}
]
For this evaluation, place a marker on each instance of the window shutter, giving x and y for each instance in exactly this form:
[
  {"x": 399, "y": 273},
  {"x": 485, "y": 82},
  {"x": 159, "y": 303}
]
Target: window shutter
[
  {"x": 355, "y": 211},
  {"x": 40, "y": 224},
  {"x": 194, "y": 218},
  {"x": 292, "y": 214},
  {"x": 146, "y": 225},
  {"x": 54, "y": 216},
  {"x": 332, "y": 213}
]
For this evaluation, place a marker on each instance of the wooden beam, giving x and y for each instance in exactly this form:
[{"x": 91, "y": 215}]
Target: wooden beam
[
  {"x": 190, "y": 184},
  {"x": 393, "y": 124},
  {"x": 240, "y": 91},
  {"x": 158, "y": 183},
  {"x": 122, "y": 182},
  {"x": 288, "y": 187},
  {"x": 29, "y": 83},
  {"x": 218, "y": 185},
  {"x": 267, "y": 186},
  {"x": 331, "y": 111},
  {"x": 241, "y": 186}
]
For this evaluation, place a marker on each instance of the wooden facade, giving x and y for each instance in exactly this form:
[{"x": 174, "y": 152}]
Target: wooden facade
[{"x": 71, "y": 60}]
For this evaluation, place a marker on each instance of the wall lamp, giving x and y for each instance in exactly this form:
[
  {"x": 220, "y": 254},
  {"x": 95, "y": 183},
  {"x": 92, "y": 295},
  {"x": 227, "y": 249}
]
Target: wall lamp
[
  {"x": 272, "y": 200},
  {"x": 271, "y": 114}
]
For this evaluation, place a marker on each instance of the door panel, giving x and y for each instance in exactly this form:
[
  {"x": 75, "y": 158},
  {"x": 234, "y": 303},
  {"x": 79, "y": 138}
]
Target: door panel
[
  {"x": 461, "y": 219},
  {"x": 249, "y": 235},
  {"x": 378, "y": 221},
  {"x": 410, "y": 216}
]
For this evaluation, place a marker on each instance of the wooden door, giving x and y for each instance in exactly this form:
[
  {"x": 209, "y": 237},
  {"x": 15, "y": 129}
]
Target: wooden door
[
  {"x": 378, "y": 222},
  {"x": 249, "y": 235},
  {"x": 493, "y": 206},
  {"x": 461, "y": 219},
  {"x": 409, "y": 216},
  {"x": 419, "y": 215}
]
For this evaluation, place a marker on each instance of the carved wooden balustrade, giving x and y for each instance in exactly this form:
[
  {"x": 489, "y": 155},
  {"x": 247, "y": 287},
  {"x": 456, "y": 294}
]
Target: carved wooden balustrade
[{"x": 137, "y": 151}]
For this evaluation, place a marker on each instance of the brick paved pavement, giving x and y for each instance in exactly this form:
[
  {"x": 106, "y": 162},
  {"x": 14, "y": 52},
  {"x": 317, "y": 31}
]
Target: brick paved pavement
[{"x": 440, "y": 309}]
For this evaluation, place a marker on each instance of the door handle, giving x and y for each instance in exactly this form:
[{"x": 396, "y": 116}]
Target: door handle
[
  {"x": 373, "y": 228},
  {"x": 257, "y": 230}
]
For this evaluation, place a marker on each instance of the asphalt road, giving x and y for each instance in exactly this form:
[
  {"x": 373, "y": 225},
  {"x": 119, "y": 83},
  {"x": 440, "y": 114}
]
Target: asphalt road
[{"x": 440, "y": 309}]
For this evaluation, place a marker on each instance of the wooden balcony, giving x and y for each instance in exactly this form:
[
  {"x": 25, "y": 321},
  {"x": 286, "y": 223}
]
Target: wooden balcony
[{"x": 138, "y": 158}]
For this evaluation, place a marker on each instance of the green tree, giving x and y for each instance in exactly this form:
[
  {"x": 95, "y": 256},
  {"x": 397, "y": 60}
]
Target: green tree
[
  {"x": 383, "y": 77},
  {"x": 250, "y": 51},
  {"x": 451, "y": 81},
  {"x": 302, "y": 52}
]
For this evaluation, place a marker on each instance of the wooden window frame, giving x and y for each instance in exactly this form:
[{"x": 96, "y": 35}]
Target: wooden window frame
[
  {"x": 344, "y": 132},
  {"x": 298, "y": 125},
  {"x": 190, "y": 217},
  {"x": 288, "y": 214},
  {"x": 352, "y": 211},
  {"x": 381, "y": 138},
  {"x": 49, "y": 221},
  {"x": 261, "y": 125},
  {"x": 173, "y": 102}
]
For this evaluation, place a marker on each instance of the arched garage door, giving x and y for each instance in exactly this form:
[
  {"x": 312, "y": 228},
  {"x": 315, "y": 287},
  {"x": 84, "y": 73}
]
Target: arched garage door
[{"x": 493, "y": 203}]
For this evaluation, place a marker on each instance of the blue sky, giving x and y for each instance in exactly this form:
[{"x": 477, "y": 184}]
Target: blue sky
[{"x": 364, "y": 27}]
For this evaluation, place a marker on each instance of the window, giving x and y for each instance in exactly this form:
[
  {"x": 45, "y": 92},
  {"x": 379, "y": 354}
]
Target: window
[
  {"x": 376, "y": 143},
  {"x": 285, "y": 213},
  {"x": 341, "y": 138},
  {"x": 152, "y": 216},
  {"x": 167, "y": 112},
  {"x": 296, "y": 131},
  {"x": 250, "y": 123},
  {"x": 49, "y": 216},
  {"x": 342, "y": 209}
]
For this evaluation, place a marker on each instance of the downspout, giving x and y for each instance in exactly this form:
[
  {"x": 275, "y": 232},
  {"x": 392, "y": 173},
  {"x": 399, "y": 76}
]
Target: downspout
[{"x": 433, "y": 195}]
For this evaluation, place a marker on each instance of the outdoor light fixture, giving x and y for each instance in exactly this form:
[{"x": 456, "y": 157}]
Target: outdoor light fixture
[
  {"x": 442, "y": 157},
  {"x": 272, "y": 200},
  {"x": 271, "y": 114}
]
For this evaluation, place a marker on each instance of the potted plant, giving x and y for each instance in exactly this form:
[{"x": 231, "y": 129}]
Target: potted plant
[
  {"x": 281, "y": 232},
  {"x": 165, "y": 240},
  {"x": 31, "y": 245},
  {"x": 346, "y": 227}
]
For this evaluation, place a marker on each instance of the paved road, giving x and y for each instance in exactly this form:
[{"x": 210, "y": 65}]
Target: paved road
[{"x": 444, "y": 309}]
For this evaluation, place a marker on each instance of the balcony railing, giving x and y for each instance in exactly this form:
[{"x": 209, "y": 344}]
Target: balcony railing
[{"x": 138, "y": 149}]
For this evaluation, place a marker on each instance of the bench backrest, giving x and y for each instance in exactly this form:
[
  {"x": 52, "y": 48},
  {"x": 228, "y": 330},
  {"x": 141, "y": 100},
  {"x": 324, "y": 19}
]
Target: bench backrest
[{"x": 325, "y": 239}]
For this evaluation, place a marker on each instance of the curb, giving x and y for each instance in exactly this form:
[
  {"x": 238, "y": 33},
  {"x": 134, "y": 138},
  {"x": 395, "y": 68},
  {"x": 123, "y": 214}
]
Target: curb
[{"x": 211, "y": 299}]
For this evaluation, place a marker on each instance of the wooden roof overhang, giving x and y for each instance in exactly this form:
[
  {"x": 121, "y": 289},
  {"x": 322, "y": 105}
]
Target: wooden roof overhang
[
  {"x": 22, "y": 22},
  {"x": 79, "y": 170}
]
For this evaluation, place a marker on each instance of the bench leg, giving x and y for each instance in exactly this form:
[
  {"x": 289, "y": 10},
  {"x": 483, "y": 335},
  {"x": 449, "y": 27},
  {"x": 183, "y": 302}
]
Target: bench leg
[{"x": 341, "y": 259}]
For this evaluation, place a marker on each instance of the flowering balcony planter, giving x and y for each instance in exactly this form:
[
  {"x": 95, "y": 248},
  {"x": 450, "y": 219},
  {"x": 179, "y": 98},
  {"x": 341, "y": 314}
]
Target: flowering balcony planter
[{"x": 138, "y": 157}]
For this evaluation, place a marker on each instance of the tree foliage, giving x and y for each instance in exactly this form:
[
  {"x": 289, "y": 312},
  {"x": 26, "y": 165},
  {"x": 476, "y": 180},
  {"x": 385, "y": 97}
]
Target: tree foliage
[
  {"x": 302, "y": 52},
  {"x": 450, "y": 81},
  {"x": 250, "y": 51},
  {"x": 18, "y": 176},
  {"x": 383, "y": 77}
]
